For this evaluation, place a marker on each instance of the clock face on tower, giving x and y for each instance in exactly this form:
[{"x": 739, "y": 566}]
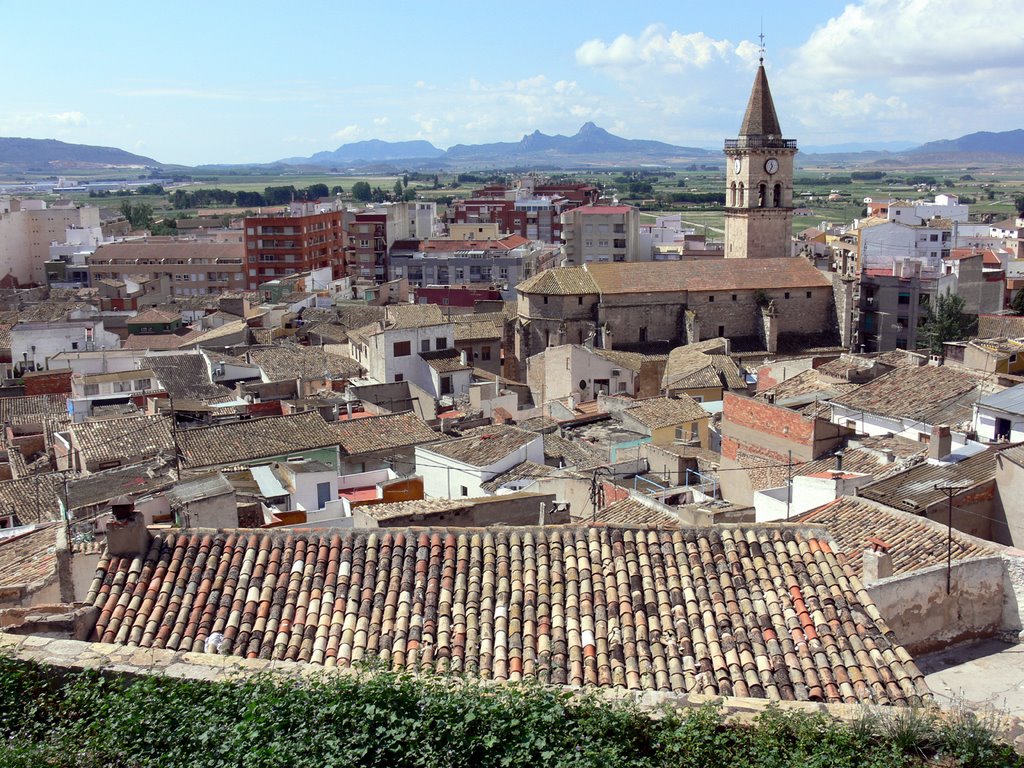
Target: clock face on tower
[
  {"x": 736, "y": 165},
  {"x": 771, "y": 165}
]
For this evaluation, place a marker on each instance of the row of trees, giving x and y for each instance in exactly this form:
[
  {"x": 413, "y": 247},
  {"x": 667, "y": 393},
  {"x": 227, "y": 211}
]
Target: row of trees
[{"x": 182, "y": 199}]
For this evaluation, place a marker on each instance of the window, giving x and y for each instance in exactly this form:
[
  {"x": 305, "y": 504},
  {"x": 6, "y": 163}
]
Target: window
[
  {"x": 934, "y": 238},
  {"x": 485, "y": 353},
  {"x": 786, "y": 295},
  {"x": 425, "y": 345},
  {"x": 734, "y": 297},
  {"x": 463, "y": 490},
  {"x": 808, "y": 294},
  {"x": 711, "y": 299},
  {"x": 721, "y": 330},
  {"x": 545, "y": 299},
  {"x": 74, "y": 345},
  {"x": 402, "y": 348},
  {"x": 579, "y": 300},
  {"x": 399, "y": 377},
  {"x": 446, "y": 385},
  {"x": 92, "y": 389},
  {"x": 643, "y": 334},
  {"x": 143, "y": 383},
  {"x": 440, "y": 343}
]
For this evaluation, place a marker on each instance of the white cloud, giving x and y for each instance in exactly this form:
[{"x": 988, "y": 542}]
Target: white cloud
[
  {"x": 914, "y": 39},
  {"x": 348, "y": 133},
  {"x": 69, "y": 118},
  {"x": 916, "y": 69},
  {"x": 655, "y": 46},
  {"x": 381, "y": 121}
]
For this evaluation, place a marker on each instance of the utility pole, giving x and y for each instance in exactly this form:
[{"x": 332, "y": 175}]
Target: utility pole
[
  {"x": 789, "y": 485},
  {"x": 950, "y": 489}
]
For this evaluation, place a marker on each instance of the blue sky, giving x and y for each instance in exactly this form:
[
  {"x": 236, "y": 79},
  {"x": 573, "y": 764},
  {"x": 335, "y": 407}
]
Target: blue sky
[{"x": 242, "y": 82}]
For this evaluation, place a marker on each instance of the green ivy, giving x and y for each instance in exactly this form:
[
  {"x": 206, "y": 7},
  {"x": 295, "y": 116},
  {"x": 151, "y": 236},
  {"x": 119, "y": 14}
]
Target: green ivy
[{"x": 380, "y": 718}]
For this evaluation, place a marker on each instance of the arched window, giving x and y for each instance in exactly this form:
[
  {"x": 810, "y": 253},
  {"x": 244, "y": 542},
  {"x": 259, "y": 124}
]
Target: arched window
[
  {"x": 777, "y": 196},
  {"x": 762, "y": 194},
  {"x": 732, "y": 197},
  {"x": 742, "y": 200}
]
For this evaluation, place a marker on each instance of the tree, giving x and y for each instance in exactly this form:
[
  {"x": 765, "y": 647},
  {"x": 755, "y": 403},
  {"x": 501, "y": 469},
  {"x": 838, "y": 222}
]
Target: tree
[
  {"x": 946, "y": 322},
  {"x": 397, "y": 191},
  {"x": 361, "y": 191},
  {"x": 337, "y": 189},
  {"x": 1018, "y": 203},
  {"x": 1017, "y": 305},
  {"x": 139, "y": 216}
]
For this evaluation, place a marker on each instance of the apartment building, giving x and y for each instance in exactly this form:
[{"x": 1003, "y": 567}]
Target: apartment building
[
  {"x": 192, "y": 268},
  {"x": 27, "y": 229},
  {"x": 601, "y": 233},
  {"x": 503, "y": 263},
  {"x": 307, "y": 236}
]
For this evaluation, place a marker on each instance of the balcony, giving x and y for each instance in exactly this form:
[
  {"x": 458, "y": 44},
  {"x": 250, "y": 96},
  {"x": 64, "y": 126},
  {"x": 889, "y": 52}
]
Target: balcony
[{"x": 760, "y": 142}]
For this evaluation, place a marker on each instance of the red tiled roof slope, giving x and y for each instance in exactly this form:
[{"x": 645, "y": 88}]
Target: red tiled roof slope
[{"x": 765, "y": 612}]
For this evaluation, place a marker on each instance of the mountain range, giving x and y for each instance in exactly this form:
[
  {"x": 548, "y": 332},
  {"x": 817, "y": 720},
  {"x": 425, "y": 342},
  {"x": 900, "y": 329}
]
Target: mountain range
[
  {"x": 591, "y": 146},
  {"x": 53, "y": 155}
]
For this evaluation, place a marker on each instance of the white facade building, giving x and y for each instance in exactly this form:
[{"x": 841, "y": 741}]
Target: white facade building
[{"x": 459, "y": 468}]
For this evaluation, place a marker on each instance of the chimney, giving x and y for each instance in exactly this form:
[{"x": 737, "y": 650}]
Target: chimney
[
  {"x": 127, "y": 535},
  {"x": 839, "y": 461},
  {"x": 877, "y": 562},
  {"x": 940, "y": 445}
]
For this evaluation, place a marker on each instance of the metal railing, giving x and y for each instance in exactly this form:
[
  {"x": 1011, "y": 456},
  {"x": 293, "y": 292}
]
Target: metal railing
[{"x": 760, "y": 142}]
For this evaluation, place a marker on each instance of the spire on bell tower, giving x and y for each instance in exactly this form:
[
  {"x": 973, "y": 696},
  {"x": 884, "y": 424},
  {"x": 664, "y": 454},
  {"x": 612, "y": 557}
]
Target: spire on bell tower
[{"x": 759, "y": 178}]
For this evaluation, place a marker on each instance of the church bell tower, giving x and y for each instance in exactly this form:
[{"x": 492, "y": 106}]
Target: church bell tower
[{"x": 759, "y": 181}]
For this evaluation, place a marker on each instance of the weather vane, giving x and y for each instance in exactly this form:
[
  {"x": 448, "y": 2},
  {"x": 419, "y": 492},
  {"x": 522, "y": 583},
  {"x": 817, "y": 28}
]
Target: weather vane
[{"x": 761, "y": 37}]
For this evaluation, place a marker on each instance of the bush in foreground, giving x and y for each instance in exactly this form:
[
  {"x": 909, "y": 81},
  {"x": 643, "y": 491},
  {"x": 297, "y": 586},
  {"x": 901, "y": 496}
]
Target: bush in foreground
[{"x": 383, "y": 719}]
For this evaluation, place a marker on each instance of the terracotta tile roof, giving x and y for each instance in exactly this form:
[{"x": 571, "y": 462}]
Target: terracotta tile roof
[
  {"x": 766, "y": 612},
  {"x": 154, "y": 341},
  {"x": 5, "y": 335},
  {"x": 659, "y": 412},
  {"x": 485, "y": 446},
  {"x": 994, "y": 326},
  {"x": 701, "y": 365},
  {"x": 913, "y": 393},
  {"x": 328, "y": 331},
  {"x": 916, "y": 542},
  {"x": 29, "y": 560},
  {"x": 185, "y": 376},
  {"x": 445, "y": 360},
  {"x": 473, "y": 329},
  {"x": 33, "y": 499},
  {"x": 413, "y": 315},
  {"x": 633, "y": 361},
  {"x": 154, "y": 316},
  {"x": 843, "y": 365},
  {"x": 242, "y": 441},
  {"x": 573, "y": 453},
  {"x": 524, "y": 471},
  {"x": 807, "y": 386},
  {"x": 171, "y": 249},
  {"x": 383, "y": 433},
  {"x": 291, "y": 361},
  {"x": 219, "y": 334},
  {"x": 899, "y": 447},
  {"x": 914, "y": 490},
  {"x": 633, "y": 511},
  {"x": 559, "y": 281},
  {"x": 419, "y": 509},
  {"x": 133, "y": 480},
  {"x": 707, "y": 275},
  {"x": 33, "y": 405},
  {"x": 115, "y": 439}
]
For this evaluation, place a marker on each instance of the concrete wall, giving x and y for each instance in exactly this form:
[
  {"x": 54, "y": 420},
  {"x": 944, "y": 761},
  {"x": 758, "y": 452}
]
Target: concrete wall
[
  {"x": 1007, "y": 510},
  {"x": 924, "y": 618}
]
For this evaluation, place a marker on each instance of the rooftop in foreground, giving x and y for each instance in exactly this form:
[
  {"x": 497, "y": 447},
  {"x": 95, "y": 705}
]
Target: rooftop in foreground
[{"x": 764, "y": 611}]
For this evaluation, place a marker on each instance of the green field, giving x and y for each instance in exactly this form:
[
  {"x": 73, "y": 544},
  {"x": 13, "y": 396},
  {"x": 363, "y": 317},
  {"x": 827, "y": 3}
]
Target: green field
[{"x": 991, "y": 189}]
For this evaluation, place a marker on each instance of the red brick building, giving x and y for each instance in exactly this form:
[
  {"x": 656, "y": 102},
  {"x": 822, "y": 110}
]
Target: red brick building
[
  {"x": 532, "y": 211},
  {"x": 298, "y": 241}
]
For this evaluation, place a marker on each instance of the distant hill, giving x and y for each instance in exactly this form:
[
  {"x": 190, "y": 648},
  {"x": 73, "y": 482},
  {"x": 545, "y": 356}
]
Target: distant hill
[
  {"x": 372, "y": 151},
  {"x": 25, "y": 154},
  {"x": 982, "y": 142},
  {"x": 591, "y": 145}
]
